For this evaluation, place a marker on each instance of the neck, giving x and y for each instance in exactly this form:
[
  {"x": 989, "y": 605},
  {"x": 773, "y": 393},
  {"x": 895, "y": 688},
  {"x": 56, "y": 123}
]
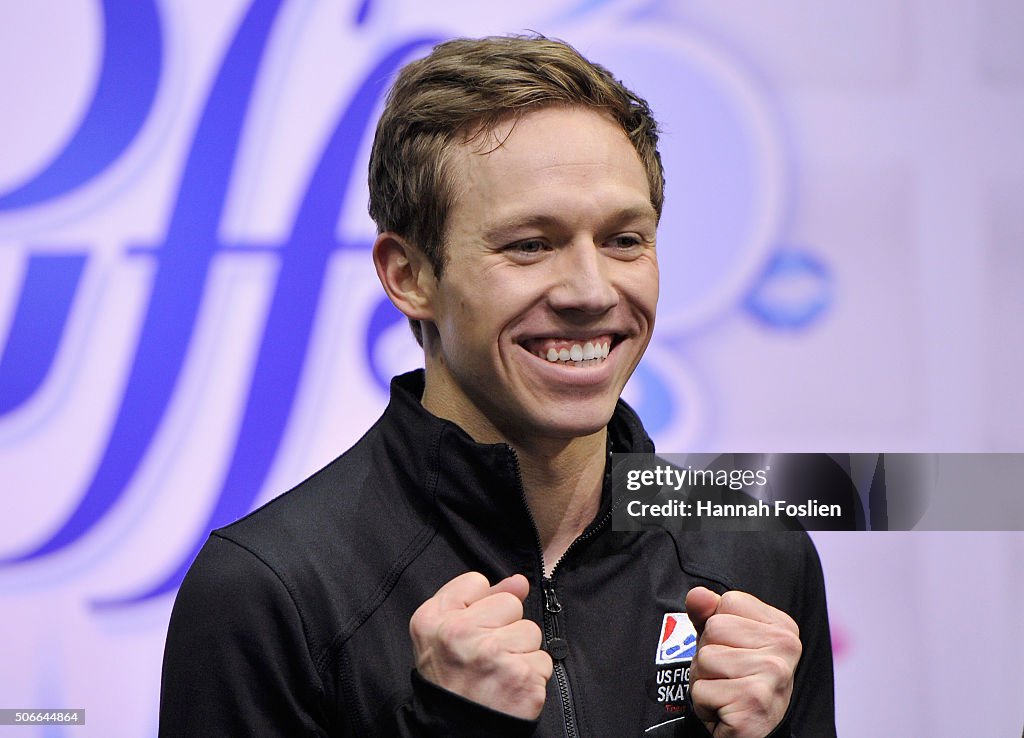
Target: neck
[
  {"x": 562, "y": 478},
  {"x": 562, "y": 482}
]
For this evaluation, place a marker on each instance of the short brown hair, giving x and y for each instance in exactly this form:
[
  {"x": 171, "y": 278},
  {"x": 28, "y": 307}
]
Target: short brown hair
[{"x": 467, "y": 86}]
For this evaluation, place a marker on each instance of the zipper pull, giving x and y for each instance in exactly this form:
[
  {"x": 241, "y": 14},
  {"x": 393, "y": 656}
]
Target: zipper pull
[
  {"x": 556, "y": 646},
  {"x": 551, "y": 603}
]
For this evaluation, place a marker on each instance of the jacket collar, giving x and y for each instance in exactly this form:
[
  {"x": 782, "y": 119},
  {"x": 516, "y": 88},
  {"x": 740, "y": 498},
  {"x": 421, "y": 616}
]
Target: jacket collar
[
  {"x": 477, "y": 486},
  {"x": 626, "y": 432}
]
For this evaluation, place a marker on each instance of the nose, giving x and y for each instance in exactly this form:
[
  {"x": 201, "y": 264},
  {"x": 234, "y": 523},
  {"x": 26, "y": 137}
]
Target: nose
[{"x": 583, "y": 281}]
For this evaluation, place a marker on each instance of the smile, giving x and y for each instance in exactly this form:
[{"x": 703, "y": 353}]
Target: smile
[{"x": 572, "y": 352}]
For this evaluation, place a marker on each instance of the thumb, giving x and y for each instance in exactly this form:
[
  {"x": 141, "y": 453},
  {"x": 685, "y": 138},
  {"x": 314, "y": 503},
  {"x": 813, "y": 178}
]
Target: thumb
[
  {"x": 701, "y": 604},
  {"x": 516, "y": 584}
]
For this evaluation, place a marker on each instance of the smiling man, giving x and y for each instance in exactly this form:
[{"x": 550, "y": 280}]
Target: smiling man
[{"x": 455, "y": 573}]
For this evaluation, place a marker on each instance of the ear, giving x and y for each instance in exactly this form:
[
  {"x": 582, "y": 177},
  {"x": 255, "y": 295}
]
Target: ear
[{"x": 406, "y": 275}]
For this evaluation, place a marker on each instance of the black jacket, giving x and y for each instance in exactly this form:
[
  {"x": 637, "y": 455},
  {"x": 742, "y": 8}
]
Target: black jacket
[{"x": 294, "y": 620}]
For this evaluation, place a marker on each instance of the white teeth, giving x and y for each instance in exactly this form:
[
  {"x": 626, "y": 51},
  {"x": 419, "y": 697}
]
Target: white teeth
[{"x": 577, "y": 354}]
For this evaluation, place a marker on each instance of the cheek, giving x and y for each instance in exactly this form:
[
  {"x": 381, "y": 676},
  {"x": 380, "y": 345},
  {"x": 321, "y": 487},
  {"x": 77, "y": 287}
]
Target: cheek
[
  {"x": 471, "y": 323},
  {"x": 455, "y": 309},
  {"x": 651, "y": 287},
  {"x": 642, "y": 292}
]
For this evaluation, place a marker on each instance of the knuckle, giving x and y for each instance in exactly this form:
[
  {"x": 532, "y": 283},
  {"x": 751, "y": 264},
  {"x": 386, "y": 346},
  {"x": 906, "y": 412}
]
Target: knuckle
[
  {"x": 762, "y": 695},
  {"x": 533, "y": 634},
  {"x": 777, "y": 668},
  {"x": 530, "y": 696},
  {"x": 716, "y": 651},
  {"x": 489, "y": 650},
  {"x": 714, "y": 629},
  {"x": 522, "y": 684},
  {"x": 470, "y": 580},
  {"x": 536, "y": 699},
  {"x": 731, "y": 600},
  {"x": 520, "y": 673},
  {"x": 713, "y": 652},
  {"x": 789, "y": 642},
  {"x": 547, "y": 666},
  {"x": 694, "y": 670},
  {"x": 465, "y": 587},
  {"x": 511, "y": 602},
  {"x": 422, "y": 622},
  {"x": 453, "y": 630},
  {"x": 796, "y": 646},
  {"x": 698, "y": 692}
]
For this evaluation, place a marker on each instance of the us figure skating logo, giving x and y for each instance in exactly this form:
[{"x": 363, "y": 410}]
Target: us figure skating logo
[{"x": 678, "y": 641}]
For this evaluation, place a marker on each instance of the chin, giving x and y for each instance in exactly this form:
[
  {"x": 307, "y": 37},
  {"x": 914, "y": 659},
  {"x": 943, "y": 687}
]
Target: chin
[{"x": 569, "y": 422}]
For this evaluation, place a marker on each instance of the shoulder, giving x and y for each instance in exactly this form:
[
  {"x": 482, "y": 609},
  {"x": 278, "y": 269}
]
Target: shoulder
[
  {"x": 238, "y": 657},
  {"x": 323, "y": 550},
  {"x": 350, "y": 509}
]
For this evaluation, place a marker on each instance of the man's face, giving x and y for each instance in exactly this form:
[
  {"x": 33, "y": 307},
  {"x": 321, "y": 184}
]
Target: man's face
[{"x": 550, "y": 263}]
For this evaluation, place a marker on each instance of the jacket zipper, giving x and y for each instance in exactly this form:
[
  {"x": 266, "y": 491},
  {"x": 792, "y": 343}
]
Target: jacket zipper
[
  {"x": 558, "y": 650},
  {"x": 557, "y": 646}
]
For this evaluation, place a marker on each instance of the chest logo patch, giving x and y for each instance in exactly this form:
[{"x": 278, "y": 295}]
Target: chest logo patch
[{"x": 678, "y": 640}]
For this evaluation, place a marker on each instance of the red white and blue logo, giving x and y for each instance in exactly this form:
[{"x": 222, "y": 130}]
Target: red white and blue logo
[{"x": 678, "y": 641}]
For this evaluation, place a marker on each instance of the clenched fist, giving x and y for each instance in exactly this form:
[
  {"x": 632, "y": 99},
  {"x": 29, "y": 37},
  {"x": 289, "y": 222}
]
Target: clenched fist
[
  {"x": 741, "y": 678},
  {"x": 471, "y": 638}
]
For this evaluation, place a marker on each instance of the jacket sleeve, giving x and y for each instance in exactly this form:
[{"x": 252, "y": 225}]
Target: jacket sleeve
[
  {"x": 812, "y": 708},
  {"x": 236, "y": 660},
  {"x": 435, "y": 712}
]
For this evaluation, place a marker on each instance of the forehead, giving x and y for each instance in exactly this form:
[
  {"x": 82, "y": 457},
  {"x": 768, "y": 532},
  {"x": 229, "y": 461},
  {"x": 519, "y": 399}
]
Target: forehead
[{"x": 553, "y": 159}]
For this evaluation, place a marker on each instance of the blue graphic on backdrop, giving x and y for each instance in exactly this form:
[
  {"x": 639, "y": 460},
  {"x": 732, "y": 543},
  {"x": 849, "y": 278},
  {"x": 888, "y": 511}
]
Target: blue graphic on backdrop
[
  {"x": 793, "y": 291},
  {"x": 124, "y": 95},
  {"x": 183, "y": 263},
  {"x": 43, "y": 308},
  {"x": 183, "y": 260}
]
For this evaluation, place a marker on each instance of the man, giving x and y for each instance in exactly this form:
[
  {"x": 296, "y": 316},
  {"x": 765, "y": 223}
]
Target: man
[{"x": 455, "y": 573}]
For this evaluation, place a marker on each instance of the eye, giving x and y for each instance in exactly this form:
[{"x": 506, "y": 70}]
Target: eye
[
  {"x": 627, "y": 245},
  {"x": 627, "y": 241},
  {"x": 528, "y": 247}
]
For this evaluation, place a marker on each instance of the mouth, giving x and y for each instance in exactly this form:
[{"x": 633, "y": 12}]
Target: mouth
[{"x": 580, "y": 352}]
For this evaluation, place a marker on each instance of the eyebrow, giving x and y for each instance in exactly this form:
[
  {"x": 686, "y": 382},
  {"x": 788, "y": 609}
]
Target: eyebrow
[{"x": 505, "y": 229}]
